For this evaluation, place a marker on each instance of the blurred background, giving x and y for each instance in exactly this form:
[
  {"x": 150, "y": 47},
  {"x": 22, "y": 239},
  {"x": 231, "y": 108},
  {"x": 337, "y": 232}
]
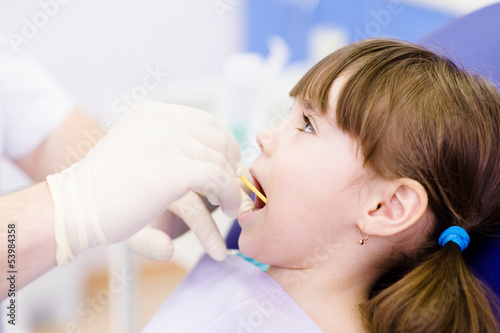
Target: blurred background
[{"x": 237, "y": 59}]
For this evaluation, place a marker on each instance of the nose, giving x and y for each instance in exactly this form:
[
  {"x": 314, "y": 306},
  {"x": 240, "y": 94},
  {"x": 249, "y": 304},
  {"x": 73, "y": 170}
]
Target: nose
[
  {"x": 264, "y": 139},
  {"x": 267, "y": 138}
]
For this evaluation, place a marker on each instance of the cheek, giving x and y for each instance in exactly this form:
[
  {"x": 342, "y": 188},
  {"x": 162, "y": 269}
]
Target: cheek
[
  {"x": 272, "y": 238},
  {"x": 284, "y": 234},
  {"x": 308, "y": 205},
  {"x": 307, "y": 193}
]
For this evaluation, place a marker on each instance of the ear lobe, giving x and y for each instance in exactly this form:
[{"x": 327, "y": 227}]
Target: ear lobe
[{"x": 400, "y": 204}]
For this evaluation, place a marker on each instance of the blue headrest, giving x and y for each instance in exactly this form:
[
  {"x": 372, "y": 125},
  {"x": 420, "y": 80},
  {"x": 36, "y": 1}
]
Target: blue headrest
[
  {"x": 233, "y": 236},
  {"x": 474, "y": 42}
]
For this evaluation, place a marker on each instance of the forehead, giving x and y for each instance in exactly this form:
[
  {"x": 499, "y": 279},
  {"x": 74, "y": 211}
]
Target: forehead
[
  {"x": 333, "y": 95},
  {"x": 334, "y": 92},
  {"x": 330, "y": 114}
]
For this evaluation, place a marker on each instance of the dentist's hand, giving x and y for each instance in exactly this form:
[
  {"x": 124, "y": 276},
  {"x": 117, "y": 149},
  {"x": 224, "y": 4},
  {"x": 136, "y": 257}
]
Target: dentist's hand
[
  {"x": 192, "y": 211},
  {"x": 157, "y": 154}
]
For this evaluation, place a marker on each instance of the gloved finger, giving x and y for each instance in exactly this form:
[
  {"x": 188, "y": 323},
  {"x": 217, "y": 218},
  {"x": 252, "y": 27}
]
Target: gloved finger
[
  {"x": 207, "y": 203},
  {"x": 195, "y": 214},
  {"x": 215, "y": 134},
  {"x": 221, "y": 140},
  {"x": 207, "y": 118},
  {"x": 170, "y": 224},
  {"x": 199, "y": 151},
  {"x": 151, "y": 243},
  {"x": 247, "y": 203},
  {"x": 203, "y": 123},
  {"x": 229, "y": 198},
  {"x": 218, "y": 185}
]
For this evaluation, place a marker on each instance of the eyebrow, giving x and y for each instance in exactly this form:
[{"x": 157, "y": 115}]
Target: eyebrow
[{"x": 325, "y": 116}]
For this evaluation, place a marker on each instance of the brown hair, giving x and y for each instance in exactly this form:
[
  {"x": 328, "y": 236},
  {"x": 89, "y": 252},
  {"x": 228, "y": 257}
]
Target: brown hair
[{"x": 417, "y": 115}]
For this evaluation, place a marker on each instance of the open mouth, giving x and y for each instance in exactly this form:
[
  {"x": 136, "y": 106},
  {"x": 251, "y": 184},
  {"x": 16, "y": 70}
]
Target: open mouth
[{"x": 258, "y": 202}]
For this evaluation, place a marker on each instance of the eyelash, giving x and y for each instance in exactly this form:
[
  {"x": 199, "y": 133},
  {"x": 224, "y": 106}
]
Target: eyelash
[{"x": 307, "y": 123}]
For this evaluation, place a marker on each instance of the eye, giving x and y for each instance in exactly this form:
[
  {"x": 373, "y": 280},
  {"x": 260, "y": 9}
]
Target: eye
[{"x": 307, "y": 127}]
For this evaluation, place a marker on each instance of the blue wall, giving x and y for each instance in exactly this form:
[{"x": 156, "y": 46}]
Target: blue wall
[{"x": 292, "y": 19}]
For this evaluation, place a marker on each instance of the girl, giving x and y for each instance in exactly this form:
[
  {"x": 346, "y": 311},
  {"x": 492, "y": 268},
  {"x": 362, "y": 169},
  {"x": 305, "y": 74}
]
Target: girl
[
  {"x": 386, "y": 147},
  {"x": 385, "y": 168}
]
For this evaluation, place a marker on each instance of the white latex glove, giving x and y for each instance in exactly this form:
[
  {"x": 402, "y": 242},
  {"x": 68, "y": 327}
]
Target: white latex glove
[
  {"x": 189, "y": 212},
  {"x": 155, "y": 155}
]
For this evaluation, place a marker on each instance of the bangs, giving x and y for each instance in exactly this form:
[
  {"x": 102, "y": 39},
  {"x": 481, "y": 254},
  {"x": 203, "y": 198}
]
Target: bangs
[
  {"x": 384, "y": 78},
  {"x": 314, "y": 86}
]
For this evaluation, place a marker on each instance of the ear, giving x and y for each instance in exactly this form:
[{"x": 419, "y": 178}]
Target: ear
[{"x": 393, "y": 207}]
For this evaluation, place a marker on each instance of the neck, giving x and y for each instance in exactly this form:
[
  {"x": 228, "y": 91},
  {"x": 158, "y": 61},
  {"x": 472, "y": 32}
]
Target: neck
[{"x": 331, "y": 299}]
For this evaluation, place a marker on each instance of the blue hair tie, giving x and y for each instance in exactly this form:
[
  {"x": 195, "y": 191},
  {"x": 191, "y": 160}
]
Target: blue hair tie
[{"x": 455, "y": 234}]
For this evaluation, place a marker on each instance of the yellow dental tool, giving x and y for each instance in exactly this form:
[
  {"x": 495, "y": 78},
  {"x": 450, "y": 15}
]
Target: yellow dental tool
[{"x": 253, "y": 189}]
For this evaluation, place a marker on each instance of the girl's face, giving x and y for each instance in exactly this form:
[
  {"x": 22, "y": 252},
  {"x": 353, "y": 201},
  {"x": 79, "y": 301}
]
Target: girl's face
[{"x": 313, "y": 178}]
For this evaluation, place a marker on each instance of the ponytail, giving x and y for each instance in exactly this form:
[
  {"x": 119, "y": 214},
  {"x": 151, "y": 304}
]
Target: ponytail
[{"x": 439, "y": 295}]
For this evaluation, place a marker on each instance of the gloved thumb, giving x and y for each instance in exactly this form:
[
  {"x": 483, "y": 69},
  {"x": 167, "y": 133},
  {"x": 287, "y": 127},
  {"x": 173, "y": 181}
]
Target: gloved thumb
[{"x": 152, "y": 243}]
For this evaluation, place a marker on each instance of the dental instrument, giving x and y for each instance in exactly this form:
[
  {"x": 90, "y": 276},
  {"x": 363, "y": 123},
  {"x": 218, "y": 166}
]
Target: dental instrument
[{"x": 253, "y": 189}]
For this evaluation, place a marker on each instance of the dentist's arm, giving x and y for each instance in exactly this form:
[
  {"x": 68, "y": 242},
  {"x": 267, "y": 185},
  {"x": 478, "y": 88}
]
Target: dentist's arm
[
  {"x": 27, "y": 225},
  {"x": 68, "y": 143},
  {"x": 30, "y": 212}
]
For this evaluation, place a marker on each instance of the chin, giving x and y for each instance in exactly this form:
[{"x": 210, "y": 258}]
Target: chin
[{"x": 251, "y": 248}]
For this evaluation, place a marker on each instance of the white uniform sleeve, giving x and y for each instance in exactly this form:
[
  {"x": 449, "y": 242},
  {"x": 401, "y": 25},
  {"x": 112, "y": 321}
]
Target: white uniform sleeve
[{"x": 31, "y": 103}]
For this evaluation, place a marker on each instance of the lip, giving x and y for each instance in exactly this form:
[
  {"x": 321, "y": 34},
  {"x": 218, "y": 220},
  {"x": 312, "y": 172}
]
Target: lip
[{"x": 245, "y": 217}]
